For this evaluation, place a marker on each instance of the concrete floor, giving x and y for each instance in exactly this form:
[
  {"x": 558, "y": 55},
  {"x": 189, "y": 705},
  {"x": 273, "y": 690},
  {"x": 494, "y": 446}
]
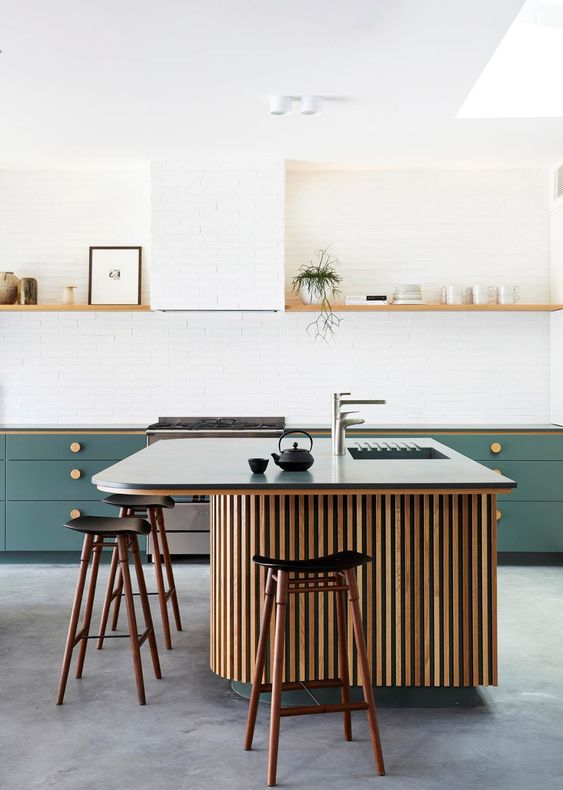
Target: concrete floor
[{"x": 189, "y": 735}]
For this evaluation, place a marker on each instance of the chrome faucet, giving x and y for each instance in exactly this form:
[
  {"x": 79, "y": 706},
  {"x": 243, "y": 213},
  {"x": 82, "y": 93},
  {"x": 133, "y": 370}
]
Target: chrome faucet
[{"x": 340, "y": 420}]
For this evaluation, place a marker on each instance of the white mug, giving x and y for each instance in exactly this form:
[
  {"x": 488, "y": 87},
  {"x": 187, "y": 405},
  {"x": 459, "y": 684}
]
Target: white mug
[
  {"x": 483, "y": 294},
  {"x": 452, "y": 294},
  {"x": 508, "y": 294}
]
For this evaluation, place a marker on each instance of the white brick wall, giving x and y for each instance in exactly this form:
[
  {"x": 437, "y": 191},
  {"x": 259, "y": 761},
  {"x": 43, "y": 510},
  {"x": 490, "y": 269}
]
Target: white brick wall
[
  {"x": 118, "y": 368},
  {"x": 217, "y": 234},
  {"x": 49, "y": 219}
]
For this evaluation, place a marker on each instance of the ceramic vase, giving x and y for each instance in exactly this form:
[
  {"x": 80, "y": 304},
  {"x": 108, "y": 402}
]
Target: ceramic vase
[
  {"x": 311, "y": 294},
  {"x": 9, "y": 288},
  {"x": 68, "y": 294},
  {"x": 28, "y": 290}
]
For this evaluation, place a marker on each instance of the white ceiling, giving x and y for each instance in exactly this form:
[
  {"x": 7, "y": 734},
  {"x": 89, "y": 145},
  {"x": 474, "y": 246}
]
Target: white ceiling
[{"x": 124, "y": 81}]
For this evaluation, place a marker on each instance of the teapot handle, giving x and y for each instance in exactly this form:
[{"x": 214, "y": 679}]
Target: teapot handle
[{"x": 287, "y": 433}]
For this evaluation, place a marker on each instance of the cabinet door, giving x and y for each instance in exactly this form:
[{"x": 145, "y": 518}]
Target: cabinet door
[
  {"x": 2, "y": 527},
  {"x": 39, "y": 526},
  {"x": 2, "y": 480},
  {"x": 2, "y": 446},
  {"x": 512, "y": 447},
  {"x": 538, "y": 481},
  {"x": 73, "y": 446},
  {"x": 530, "y": 526},
  {"x": 48, "y": 480}
]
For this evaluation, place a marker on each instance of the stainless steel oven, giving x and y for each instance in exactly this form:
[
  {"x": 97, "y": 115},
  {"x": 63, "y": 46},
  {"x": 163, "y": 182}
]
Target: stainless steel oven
[{"x": 187, "y": 525}]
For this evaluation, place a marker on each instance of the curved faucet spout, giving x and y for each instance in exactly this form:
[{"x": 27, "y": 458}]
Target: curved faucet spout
[{"x": 341, "y": 421}]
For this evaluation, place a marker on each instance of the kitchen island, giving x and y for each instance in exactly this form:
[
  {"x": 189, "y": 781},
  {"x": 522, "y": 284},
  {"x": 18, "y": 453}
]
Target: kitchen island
[{"x": 428, "y": 520}]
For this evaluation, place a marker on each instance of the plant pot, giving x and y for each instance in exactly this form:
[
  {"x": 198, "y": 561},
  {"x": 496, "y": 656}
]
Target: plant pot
[
  {"x": 311, "y": 294},
  {"x": 9, "y": 288}
]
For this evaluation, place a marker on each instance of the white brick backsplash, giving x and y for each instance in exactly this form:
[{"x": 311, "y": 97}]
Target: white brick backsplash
[{"x": 433, "y": 227}]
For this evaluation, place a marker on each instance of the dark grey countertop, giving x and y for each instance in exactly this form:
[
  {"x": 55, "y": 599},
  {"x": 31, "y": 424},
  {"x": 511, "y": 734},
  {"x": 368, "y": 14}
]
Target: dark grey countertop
[{"x": 212, "y": 465}]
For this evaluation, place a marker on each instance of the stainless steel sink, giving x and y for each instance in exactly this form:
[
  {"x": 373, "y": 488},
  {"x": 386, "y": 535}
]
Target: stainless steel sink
[{"x": 387, "y": 451}]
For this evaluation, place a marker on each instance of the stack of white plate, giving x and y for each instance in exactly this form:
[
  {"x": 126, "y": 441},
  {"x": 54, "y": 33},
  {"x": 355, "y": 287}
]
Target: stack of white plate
[{"x": 407, "y": 294}]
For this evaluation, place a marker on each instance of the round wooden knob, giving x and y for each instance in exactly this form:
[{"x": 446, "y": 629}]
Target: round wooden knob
[
  {"x": 75, "y": 513},
  {"x": 497, "y": 471},
  {"x": 499, "y": 515},
  {"x": 496, "y": 447},
  {"x": 75, "y": 474},
  {"x": 75, "y": 447}
]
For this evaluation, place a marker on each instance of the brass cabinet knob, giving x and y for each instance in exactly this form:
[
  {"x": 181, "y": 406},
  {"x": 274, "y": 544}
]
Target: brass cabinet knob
[
  {"x": 496, "y": 447},
  {"x": 75, "y": 447},
  {"x": 75, "y": 474},
  {"x": 75, "y": 513},
  {"x": 499, "y": 515},
  {"x": 497, "y": 471}
]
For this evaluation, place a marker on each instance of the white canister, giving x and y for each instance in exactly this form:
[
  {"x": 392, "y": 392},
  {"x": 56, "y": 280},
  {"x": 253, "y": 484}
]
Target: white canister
[
  {"x": 508, "y": 294},
  {"x": 68, "y": 294},
  {"x": 452, "y": 294},
  {"x": 483, "y": 294}
]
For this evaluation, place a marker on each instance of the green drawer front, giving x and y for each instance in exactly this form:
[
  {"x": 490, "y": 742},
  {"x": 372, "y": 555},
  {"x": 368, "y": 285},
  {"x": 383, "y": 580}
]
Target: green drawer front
[
  {"x": 538, "y": 481},
  {"x": 2, "y": 528},
  {"x": 58, "y": 447},
  {"x": 30, "y": 480},
  {"x": 530, "y": 526},
  {"x": 2, "y": 481},
  {"x": 2, "y": 446},
  {"x": 514, "y": 447},
  {"x": 38, "y": 526}
]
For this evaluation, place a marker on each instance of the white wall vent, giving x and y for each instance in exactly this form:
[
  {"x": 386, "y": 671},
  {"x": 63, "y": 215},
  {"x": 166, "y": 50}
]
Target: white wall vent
[{"x": 558, "y": 183}]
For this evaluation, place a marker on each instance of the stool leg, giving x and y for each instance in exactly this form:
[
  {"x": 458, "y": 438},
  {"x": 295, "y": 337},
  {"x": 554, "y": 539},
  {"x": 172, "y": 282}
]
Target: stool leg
[
  {"x": 343, "y": 670},
  {"x": 130, "y": 606},
  {"x": 89, "y": 604},
  {"x": 160, "y": 579},
  {"x": 75, "y": 615},
  {"x": 364, "y": 669},
  {"x": 146, "y": 606},
  {"x": 123, "y": 512},
  {"x": 279, "y": 652},
  {"x": 108, "y": 597},
  {"x": 168, "y": 565},
  {"x": 260, "y": 660}
]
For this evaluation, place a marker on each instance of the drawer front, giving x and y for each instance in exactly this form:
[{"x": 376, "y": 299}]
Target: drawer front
[
  {"x": 2, "y": 481},
  {"x": 73, "y": 446},
  {"x": 514, "y": 447},
  {"x": 31, "y": 480},
  {"x": 2, "y": 446},
  {"x": 38, "y": 526},
  {"x": 538, "y": 481},
  {"x": 530, "y": 526}
]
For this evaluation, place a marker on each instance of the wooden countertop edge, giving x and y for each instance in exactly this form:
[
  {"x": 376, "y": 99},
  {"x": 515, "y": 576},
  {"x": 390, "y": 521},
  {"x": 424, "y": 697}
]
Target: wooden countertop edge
[{"x": 334, "y": 491}]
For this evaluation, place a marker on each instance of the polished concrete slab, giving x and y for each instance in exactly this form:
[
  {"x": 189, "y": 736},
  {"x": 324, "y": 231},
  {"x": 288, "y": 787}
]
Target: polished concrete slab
[{"x": 189, "y": 735}]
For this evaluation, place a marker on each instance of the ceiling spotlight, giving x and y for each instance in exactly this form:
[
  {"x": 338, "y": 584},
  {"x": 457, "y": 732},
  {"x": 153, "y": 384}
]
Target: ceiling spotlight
[
  {"x": 311, "y": 105},
  {"x": 280, "y": 105}
]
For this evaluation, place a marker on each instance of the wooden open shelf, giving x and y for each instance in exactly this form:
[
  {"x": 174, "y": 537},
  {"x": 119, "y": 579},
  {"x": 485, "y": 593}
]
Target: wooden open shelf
[
  {"x": 74, "y": 308},
  {"x": 299, "y": 307}
]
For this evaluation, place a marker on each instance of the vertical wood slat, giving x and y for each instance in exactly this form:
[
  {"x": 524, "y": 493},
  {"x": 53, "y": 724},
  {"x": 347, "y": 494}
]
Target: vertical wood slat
[{"x": 428, "y": 597}]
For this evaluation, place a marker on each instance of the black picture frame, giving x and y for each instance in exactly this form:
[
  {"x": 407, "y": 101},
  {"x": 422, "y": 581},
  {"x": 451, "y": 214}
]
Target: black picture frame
[{"x": 92, "y": 285}]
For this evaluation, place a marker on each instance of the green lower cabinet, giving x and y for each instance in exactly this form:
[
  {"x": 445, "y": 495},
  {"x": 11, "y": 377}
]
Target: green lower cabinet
[
  {"x": 538, "y": 481},
  {"x": 73, "y": 446},
  {"x": 38, "y": 526},
  {"x": 513, "y": 447},
  {"x": 530, "y": 526},
  {"x": 2, "y": 480},
  {"x": 30, "y": 480},
  {"x": 2, "y": 527}
]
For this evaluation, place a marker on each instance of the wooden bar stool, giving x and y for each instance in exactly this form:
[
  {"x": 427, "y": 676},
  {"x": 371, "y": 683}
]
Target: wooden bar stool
[
  {"x": 152, "y": 507},
  {"x": 124, "y": 532},
  {"x": 332, "y": 573}
]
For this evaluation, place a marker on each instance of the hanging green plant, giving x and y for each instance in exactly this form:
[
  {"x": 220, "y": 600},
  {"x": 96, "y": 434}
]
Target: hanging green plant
[{"x": 317, "y": 283}]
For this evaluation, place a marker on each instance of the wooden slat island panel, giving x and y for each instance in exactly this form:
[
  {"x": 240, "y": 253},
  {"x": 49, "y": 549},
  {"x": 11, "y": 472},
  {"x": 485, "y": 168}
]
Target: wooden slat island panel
[{"x": 428, "y": 598}]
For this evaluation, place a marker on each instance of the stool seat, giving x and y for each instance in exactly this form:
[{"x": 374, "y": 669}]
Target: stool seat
[
  {"x": 139, "y": 500},
  {"x": 110, "y": 527},
  {"x": 330, "y": 563}
]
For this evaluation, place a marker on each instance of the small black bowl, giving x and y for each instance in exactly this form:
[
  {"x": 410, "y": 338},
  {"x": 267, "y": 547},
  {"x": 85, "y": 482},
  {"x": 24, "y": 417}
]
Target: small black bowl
[{"x": 258, "y": 465}]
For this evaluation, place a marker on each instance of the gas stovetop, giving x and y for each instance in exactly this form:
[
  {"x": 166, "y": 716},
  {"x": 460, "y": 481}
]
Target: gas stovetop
[{"x": 218, "y": 426}]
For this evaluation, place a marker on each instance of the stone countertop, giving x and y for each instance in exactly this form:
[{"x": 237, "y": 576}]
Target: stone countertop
[{"x": 214, "y": 465}]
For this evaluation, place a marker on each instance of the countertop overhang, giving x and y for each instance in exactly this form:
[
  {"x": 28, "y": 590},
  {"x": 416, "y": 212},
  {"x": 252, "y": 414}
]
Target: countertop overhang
[{"x": 221, "y": 465}]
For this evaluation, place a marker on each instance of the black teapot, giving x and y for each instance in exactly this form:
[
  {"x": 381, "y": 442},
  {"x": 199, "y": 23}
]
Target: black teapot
[{"x": 294, "y": 459}]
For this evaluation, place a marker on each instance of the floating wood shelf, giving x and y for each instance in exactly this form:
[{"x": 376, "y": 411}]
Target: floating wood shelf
[
  {"x": 298, "y": 307},
  {"x": 74, "y": 308}
]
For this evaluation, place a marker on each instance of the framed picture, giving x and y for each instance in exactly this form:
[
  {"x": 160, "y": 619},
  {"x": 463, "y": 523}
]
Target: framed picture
[{"x": 115, "y": 275}]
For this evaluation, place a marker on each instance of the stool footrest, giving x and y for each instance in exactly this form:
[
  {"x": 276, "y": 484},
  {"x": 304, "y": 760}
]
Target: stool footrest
[
  {"x": 338, "y": 707},
  {"x": 307, "y": 684}
]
